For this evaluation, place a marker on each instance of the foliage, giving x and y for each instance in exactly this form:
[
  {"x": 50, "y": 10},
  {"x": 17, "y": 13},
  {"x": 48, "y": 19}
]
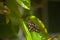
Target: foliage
[
  {"x": 14, "y": 21},
  {"x": 24, "y": 3}
]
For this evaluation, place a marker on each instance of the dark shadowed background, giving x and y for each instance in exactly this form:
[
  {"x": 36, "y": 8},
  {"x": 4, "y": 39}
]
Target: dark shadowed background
[{"x": 49, "y": 13}]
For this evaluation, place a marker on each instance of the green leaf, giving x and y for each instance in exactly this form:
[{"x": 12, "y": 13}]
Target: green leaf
[
  {"x": 39, "y": 23},
  {"x": 25, "y": 29},
  {"x": 36, "y": 36},
  {"x": 24, "y": 3},
  {"x": 43, "y": 31}
]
